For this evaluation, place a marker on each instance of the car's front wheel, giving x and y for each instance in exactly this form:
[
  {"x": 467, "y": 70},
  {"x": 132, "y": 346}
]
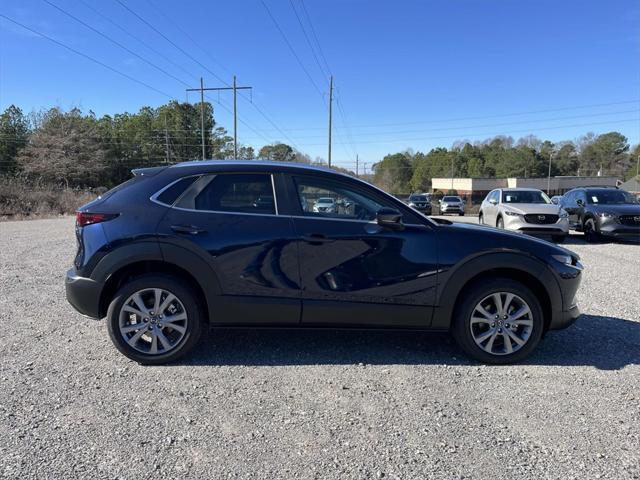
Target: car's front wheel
[
  {"x": 498, "y": 321},
  {"x": 481, "y": 219},
  {"x": 154, "y": 319},
  {"x": 500, "y": 223}
]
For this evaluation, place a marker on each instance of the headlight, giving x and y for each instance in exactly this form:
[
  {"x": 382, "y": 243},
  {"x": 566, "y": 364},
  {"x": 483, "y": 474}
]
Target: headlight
[
  {"x": 411, "y": 204},
  {"x": 563, "y": 214},
  {"x": 564, "y": 259},
  {"x": 607, "y": 215},
  {"x": 511, "y": 214}
]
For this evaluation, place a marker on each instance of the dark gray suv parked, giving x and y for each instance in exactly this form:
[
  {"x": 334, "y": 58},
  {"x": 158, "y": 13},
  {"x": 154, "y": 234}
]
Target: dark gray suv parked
[{"x": 603, "y": 212}]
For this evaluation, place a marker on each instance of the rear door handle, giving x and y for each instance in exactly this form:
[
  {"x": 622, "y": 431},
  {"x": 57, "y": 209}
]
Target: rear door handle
[
  {"x": 316, "y": 238},
  {"x": 190, "y": 229}
]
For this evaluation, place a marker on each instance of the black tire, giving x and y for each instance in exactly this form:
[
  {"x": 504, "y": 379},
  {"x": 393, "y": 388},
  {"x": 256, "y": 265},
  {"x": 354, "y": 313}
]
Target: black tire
[
  {"x": 481, "y": 219},
  {"x": 194, "y": 325},
  {"x": 558, "y": 238},
  {"x": 461, "y": 322},
  {"x": 500, "y": 222},
  {"x": 590, "y": 229},
  {"x": 461, "y": 214}
]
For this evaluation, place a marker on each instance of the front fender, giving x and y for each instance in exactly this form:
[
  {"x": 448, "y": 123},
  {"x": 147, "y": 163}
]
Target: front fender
[{"x": 452, "y": 282}]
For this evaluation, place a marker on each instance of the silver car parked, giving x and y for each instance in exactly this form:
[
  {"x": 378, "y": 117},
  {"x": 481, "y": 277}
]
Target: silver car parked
[
  {"x": 451, "y": 204},
  {"x": 525, "y": 210}
]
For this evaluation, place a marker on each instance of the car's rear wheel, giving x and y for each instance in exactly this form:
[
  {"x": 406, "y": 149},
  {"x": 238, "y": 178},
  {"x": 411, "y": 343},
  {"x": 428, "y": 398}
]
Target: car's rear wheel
[
  {"x": 154, "y": 319},
  {"x": 590, "y": 230},
  {"x": 500, "y": 223},
  {"x": 499, "y": 321}
]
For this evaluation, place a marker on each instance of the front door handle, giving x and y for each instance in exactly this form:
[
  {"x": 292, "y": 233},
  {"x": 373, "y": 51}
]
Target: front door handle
[
  {"x": 316, "y": 238},
  {"x": 190, "y": 229}
]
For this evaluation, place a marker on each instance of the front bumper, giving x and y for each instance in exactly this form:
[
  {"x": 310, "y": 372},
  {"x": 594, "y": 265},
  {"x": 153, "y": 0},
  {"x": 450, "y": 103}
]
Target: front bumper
[
  {"x": 451, "y": 209},
  {"x": 519, "y": 224},
  {"x": 83, "y": 294},
  {"x": 617, "y": 230},
  {"x": 569, "y": 279},
  {"x": 565, "y": 319}
]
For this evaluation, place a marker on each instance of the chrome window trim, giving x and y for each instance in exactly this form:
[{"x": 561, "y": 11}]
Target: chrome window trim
[
  {"x": 220, "y": 212},
  {"x": 275, "y": 196},
  {"x": 154, "y": 197}
]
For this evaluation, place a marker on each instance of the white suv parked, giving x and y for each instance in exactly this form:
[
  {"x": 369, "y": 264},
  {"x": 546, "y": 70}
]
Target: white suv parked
[{"x": 525, "y": 210}]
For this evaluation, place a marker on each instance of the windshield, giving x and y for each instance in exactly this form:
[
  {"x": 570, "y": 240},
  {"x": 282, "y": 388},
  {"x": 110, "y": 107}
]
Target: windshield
[
  {"x": 418, "y": 198},
  {"x": 609, "y": 197},
  {"x": 451, "y": 199},
  {"x": 525, "y": 196}
]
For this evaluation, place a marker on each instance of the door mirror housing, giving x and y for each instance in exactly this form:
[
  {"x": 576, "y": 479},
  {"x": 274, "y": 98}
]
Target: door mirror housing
[
  {"x": 389, "y": 218},
  {"x": 493, "y": 201},
  {"x": 580, "y": 202},
  {"x": 555, "y": 201}
]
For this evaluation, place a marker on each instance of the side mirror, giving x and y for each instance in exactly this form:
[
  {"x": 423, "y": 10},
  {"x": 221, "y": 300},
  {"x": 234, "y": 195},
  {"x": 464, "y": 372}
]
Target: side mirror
[
  {"x": 580, "y": 202},
  {"x": 555, "y": 201},
  {"x": 493, "y": 201},
  {"x": 389, "y": 218}
]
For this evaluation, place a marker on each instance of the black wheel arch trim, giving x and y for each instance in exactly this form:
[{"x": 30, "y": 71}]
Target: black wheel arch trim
[
  {"x": 455, "y": 280},
  {"x": 196, "y": 264}
]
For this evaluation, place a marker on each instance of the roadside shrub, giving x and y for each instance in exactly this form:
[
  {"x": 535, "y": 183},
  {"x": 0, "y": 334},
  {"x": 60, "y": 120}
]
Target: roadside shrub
[{"x": 19, "y": 199}]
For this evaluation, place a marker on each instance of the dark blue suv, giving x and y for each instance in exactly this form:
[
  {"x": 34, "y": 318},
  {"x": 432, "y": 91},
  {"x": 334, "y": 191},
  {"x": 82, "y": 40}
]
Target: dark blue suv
[{"x": 177, "y": 250}]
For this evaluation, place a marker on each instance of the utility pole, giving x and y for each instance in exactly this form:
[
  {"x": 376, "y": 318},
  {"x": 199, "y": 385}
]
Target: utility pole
[
  {"x": 549, "y": 176},
  {"x": 452, "y": 173},
  {"x": 235, "y": 120},
  {"x": 357, "y": 164},
  {"x": 235, "y": 88},
  {"x": 166, "y": 140},
  {"x": 330, "y": 114},
  {"x": 202, "y": 116}
]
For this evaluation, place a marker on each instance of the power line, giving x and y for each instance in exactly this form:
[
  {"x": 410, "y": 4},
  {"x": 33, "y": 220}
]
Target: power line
[
  {"x": 304, "y": 31},
  {"x": 122, "y": 29},
  {"x": 330, "y": 75},
  {"x": 313, "y": 32},
  {"x": 186, "y": 34},
  {"x": 115, "y": 42},
  {"x": 524, "y": 122},
  {"x": 88, "y": 57},
  {"x": 170, "y": 41},
  {"x": 488, "y": 134},
  {"x": 443, "y": 120},
  {"x": 531, "y": 112},
  {"x": 205, "y": 67},
  {"x": 286, "y": 40}
]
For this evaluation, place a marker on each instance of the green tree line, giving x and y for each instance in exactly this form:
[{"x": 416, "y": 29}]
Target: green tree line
[
  {"x": 607, "y": 154},
  {"x": 81, "y": 150}
]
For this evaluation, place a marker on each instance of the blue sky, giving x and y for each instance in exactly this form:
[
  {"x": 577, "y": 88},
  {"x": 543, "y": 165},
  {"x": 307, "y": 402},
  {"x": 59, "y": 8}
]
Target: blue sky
[{"x": 408, "y": 74}]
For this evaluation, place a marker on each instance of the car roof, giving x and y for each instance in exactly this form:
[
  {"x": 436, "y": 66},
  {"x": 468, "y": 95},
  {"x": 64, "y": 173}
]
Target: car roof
[
  {"x": 521, "y": 189},
  {"x": 269, "y": 164}
]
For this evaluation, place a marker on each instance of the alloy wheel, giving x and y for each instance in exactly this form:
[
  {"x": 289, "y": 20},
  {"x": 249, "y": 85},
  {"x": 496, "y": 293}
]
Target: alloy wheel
[
  {"x": 153, "y": 321},
  {"x": 501, "y": 323}
]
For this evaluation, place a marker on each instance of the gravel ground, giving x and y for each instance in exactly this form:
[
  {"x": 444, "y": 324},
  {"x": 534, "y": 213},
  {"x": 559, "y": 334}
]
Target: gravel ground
[{"x": 287, "y": 404}]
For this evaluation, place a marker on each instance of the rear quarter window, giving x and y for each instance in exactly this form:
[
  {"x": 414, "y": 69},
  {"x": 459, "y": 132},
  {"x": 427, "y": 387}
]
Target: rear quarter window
[{"x": 173, "y": 191}]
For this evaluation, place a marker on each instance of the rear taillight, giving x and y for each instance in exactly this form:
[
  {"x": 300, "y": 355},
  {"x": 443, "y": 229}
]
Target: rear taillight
[{"x": 84, "y": 218}]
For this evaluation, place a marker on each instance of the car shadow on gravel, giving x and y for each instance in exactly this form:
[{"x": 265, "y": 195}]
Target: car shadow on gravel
[{"x": 606, "y": 343}]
